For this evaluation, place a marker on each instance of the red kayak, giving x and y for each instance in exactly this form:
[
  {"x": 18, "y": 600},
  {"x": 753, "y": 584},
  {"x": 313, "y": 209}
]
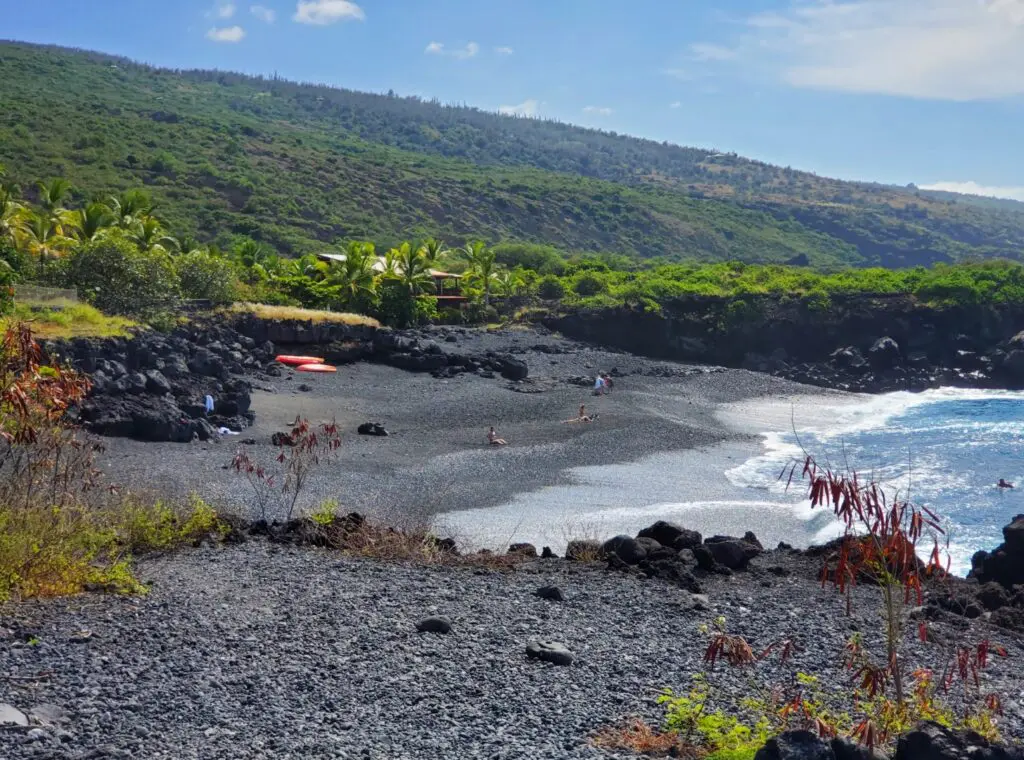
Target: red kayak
[
  {"x": 316, "y": 368},
  {"x": 298, "y": 360}
]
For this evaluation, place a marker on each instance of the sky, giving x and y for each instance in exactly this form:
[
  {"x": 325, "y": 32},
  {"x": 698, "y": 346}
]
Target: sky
[{"x": 929, "y": 92}]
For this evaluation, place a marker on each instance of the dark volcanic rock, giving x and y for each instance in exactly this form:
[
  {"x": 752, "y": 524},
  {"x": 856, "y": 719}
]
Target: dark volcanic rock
[
  {"x": 884, "y": 354},
  {"x": 626, "y": 548},
  {"x": 513, "y": 369},
  {"x": 804, "y": 745},
  {"x": 550, "y": 651},
  {"x": 1004, "y": 565},
  {"x": 372, "y": 428},
  {"x": 437, "y": 624},
  {"x": 554, "y": 593},
  {"x": 930, "y": 741},
  {"x": 733, "y": 553},
  {"x": 665, "y": 533}
]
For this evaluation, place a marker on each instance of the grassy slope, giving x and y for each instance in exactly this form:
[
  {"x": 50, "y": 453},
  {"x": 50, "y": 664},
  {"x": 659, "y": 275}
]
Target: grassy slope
[{"x": 294, "y": 165}]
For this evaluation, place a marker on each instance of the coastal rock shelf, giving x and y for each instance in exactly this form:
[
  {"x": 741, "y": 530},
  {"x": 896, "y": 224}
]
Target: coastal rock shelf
[{"x": 859, "y": 343}]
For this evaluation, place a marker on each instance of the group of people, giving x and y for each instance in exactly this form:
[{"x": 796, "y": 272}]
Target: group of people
[{"x": 602, "y": 385}]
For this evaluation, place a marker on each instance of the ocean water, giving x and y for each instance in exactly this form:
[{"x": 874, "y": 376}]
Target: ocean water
[{"x": 945, "y": 449}]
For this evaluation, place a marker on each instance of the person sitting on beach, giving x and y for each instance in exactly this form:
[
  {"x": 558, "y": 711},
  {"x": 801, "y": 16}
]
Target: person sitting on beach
[
  {"x": 493, "y": 439},
  {"x": 1003, "y": 484},
  {"x": 581, "y": 417}
]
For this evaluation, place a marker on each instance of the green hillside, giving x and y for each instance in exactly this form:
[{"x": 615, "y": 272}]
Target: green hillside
[{"x": 297, "y": 165}]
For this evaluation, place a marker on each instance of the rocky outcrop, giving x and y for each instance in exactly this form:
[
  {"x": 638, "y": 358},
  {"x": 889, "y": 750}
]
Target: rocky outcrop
[
  {"x": 152, "y": 387},
  {"x": 1005, "y": 564},
  {"x": 858, "y": 343}
]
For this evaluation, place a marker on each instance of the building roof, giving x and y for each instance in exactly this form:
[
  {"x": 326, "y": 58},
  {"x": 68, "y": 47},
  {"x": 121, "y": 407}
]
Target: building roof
[{"x": 379, "y": 266}]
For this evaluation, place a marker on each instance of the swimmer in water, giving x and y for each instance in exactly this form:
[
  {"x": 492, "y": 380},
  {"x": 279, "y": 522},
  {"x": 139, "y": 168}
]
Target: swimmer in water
[{"x": 1003, "y": 484}]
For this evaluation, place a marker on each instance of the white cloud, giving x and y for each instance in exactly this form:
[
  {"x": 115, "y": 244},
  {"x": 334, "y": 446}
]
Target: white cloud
[
  {"x": 526, "y": 108},
  {"x": 264, "y": 14},
  {"x": 222, "y": 10},
  {"x": 935, "y": 49},
  {"x": 324, "y": 12},
  {"x": 675, "y": 104},
  {"x": 973, "y": 188},
  {"x": 226, "y": 34},
  {"x": 598, "y": 110},
  {"x": 437, "y": 48},
  {"x": 704, "y": 51},
  {"x": 504, "y": 50}
]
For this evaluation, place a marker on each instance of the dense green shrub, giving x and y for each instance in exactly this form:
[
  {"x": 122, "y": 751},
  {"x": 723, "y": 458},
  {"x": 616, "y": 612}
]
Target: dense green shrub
[
  {"x": 116, "y": 277},
  {"x": 550, "y": 288},
  {"x": 206, "y": 276},
  {"x": 588, "y": 284}
]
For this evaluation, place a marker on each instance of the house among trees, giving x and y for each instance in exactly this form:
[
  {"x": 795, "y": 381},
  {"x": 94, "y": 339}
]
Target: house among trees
[{"x": 453, "y": 296}]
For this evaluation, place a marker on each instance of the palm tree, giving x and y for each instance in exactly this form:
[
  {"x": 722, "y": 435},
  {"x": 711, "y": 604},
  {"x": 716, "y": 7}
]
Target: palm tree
[
  {"x": 12, "y": 212},
  {"x": 355, "y": 275},
  {"x": 130, "y": 208},
  {"x": 40, "y": 236},
  {"x": 92, "y": 221},
  {"x": 149, "y": 235},
  {"x": 481, "y": 267},
  {"x": 509, "y": 283},
  {"x": 52, "y": 194},
  {"x": 409, "y": 265},
  {"x": 434, "y": 250}
]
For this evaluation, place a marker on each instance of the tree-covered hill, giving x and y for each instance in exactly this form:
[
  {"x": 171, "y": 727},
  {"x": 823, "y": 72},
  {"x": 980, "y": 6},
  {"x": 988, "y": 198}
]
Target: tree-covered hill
[{"x": 297, "y": 165}]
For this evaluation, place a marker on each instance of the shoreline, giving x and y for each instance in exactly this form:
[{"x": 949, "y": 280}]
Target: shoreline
[{"x": 435, "y": 459}]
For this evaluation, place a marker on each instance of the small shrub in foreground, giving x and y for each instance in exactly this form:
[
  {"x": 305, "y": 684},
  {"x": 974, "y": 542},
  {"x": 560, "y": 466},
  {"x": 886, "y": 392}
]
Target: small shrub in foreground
[{"x": 61, "y": 531}]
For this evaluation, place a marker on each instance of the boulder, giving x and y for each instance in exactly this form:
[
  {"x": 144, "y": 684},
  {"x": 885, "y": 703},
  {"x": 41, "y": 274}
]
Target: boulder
[
  {"x": 372, "y": 428},
  {"x": 733, "y": 553},
  {"x": 524, "y": 550},
  {"x": 930, "y": 741},
  {"x": 156, "y": 382},
  {"x": 553, "y": 593},
  {"x": 675, "y": 572},
  {"x": 1005, "y": 564},
  {"x": 437, "y": 624},
  {"x": 513, "y": 369},
  {"x": 884, "y": 354},
  {"x": 805, "y": 745},
  {"x": 665, "y": 533},
  {"x": 626, "y": 548},
  {"x": 848, "y": 358},
  {"x": 795, "y": 745},
  {"x": 550, "y": 651}
]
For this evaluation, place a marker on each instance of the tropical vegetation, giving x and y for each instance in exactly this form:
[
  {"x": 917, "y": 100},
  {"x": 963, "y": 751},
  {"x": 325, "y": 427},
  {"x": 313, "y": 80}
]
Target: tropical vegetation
[{"x": 296, "y": 166}]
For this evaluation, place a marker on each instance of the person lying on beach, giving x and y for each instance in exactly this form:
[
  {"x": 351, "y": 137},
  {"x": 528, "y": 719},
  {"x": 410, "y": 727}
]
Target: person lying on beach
[
  {"x": 1003, "y": 484},
  {"x": 494, "y": 440}
]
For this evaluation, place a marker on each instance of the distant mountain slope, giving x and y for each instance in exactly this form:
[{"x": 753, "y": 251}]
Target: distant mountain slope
[{"x": 297, "y": 164}]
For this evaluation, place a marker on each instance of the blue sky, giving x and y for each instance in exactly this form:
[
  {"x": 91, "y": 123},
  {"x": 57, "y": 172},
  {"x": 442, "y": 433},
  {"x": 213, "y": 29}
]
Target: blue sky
[{"x": 924, "y": 91}]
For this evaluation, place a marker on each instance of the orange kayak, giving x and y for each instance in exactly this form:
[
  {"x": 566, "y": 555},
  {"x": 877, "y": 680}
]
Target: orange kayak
[
  {"x": 316, "y": 368},
  {"x": 297, "y": 360}
]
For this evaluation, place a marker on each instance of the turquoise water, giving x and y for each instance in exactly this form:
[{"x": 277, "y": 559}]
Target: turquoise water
[{"x": 946, "y": 448}]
